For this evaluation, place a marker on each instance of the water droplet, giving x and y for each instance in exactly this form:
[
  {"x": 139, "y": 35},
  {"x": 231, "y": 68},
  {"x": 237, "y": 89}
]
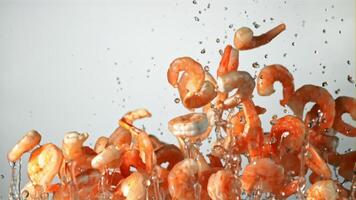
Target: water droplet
[
  {"x": 339, "y": 31},
  {"x": 293, "y": 43},
  {"x": 200, "y": 42},
  {"x": 206, "y": 68},
  {"x": 337, "y": 91},
  {"x": 2, "y": 176},
  {"x": 325, "y": 41},
  {"x": 295, "y": 34},
  {"x": 231, "y": 25},
  {"x": 324, "y": 84},
  {"x": 176, "y": 100},
  {"x": 271, "y": 18},
  {"x": 217, "y": 40},
  {"x": 225, "y": 8},
  {"x": 266, "y": 56},
  {"x": 221, "y": 52},
  {"x": 202, "y": 51},
  {"x": 261, "y": 76},
  {"x": 195, "y": 2},
  {"x": 208, "y": 6},
  {"x": 348, "y": 62},
  {"x": 255, "y": 25},
  {"x": 196, "y": 18},
  {"x": 285, "y": 54},
  {"x": 25, "y": 194},
  {"x": 255, "y": 65},
  {"x": 285, "y": 110},
  {"x": 342, "y": 19},
  {"x": 324, "y": 31},
  {"x": 315, "y": 51}
]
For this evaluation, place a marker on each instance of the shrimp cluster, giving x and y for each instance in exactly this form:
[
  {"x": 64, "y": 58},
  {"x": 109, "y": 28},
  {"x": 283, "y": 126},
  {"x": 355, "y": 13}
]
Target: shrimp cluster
[{"x": 133, "y": 164}]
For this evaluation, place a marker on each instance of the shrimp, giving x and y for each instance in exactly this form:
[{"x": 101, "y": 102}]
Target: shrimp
[
  {"x": 322, "y": 190},
  {"x": 269, "y": 75},
  {"x": 319, "y": 95},
  {"x": 222, "y": 185},
  {"x": 194, "y": 126},
  {"x": 240, "y": 80},
  {"x": 245, "y": 40},
  {"x": 131, "y": 158},
  {"x": 157, "y": 144},
  {"x": 72, "y": 145},
  {"x": 229, "y": 61},
  {"x": 32, "y": 192},
  {"x": 343, "y": 105},
  {"x": 44, "y": 164},
  {"x": 182, "y": 180},
  {"x": 146, "y": 151},
  {"x": 316, "y": 163},
  {"x": 27, "y": 143},
  {"x": 345, "y": 162},
  {"x": 110, "y": 154},
  {"x": 132, "y": 188},
  {"x": 120, "y": 136},
  {"x": 127, "y": 120},
  {"x": 86, "y": 182},
  {"x": 169, "y": 153},
  {"x": 289, "y": 134},
  {"x": 101, "y": 143}
]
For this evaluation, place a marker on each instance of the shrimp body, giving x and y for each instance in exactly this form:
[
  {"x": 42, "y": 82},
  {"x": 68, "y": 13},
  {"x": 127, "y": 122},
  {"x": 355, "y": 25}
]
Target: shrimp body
[
  {"x": 107, "y": 156},
  {"x": 345, "y": 105},
  {"x": 146, "y": 151},
  {"x": 240, "y": 80},
  {"x": 263, "y": 174},
  {"x": 229, "y": 61},
  {"x": 133, "y": 187},
  {"x": 316, "y": 163},
  {"x": 131, "y": 158},
  {"x": 269, "y": 75},
  {"x": 169, "y": 153},
  {"x": 323, "y": 190},
  {"x": 245, "y": 40},
  {"x": 120, "y": 136},
  {"x": 345, "y": 162},
  {"x": 86, "y": 182},
  {"x": 127, "y": 120},
  {"x": 72, "y": 145},
  {"x": 44, "y": 164},
  {"x": 222, "y": 186},
  {"x": 101, "y": 143},
  {"x": 182, "y": 179},
  {"x": 27, "y": 143},
  {"x": 318, "y": 95}
]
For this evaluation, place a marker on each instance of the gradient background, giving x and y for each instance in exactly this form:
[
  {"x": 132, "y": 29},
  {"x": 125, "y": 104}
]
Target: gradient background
[{"x": 80, "y": 65}]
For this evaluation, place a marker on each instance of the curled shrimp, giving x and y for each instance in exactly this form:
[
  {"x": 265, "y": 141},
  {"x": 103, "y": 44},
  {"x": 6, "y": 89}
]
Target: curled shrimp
[
  {"x": 326, "y": 189},
  {"x": 229, "y": 61},
  {"x": 316, "y": 163},
  {"x": 182, "y": 179},
  {"x": 222, "y": 186},
  {"x": 103, "y": 159},
  {"x": 345, "y": 162},
  {"x": 101, "y": 143},
  {"x": 240, "y": 80},
  {"x": 72, "y": 145},
  {"x": 44, "y": 164},
  {"x": 131, "y": 158},
  {"x": 196, "y": 88},
  {"x": 146, "y": 151},
  {"x": 245, "y": 40},
  {"x": 343, "y": 105},
  {"x": 269, "y": 75},
  {"x": 318, "y": 95},
  {"x": 120, "y": 136},
  {"x": 127, "y": 120},
  {"x": 193, "y": 126},
  {"x": 86, "y": 182},
  {"x": 169, "y": 153},
  {"x": 157, "y": 144},
  {"x": 132, "y": 188},
  {"x": 27, "y": 143}
]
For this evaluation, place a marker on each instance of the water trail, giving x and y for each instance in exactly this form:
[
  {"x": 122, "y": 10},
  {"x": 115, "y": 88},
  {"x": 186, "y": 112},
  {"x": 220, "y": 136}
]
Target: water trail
[{"x": 15, "y": 182}]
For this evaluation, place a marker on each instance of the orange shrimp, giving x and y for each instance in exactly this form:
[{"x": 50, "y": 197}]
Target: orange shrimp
[
  {"x": 319, "y": 95},
  {"x": 157, "y": 144},
  {"x": 44, "y": 164},
  {"x": 27, "y": 143},
  {"x": 245, "y": 40},
  {"x": 269, "y": 75},
  {"x": 215, "y": 161},
  {"x": 146, "y": 150},
  {"x": 345, "y": 105},
  {"x": 316, "y": 163},
  {"x": 323, "y": 190},
  {"x": 169, "y": 153},
  {"x": 182, "y": 179},
  {"x": 72, "y": 145},
  {"x": 86, "y": 182},
  {"x": 223, "y": 185},
  {"x": 120, "y": 136},
  {"x": 345, "y": 162},
  {"x": 229, "y": 61},
  {"x": 132, "y": 188},
  {"x": 240, "y": 80},
  {"x": 127, "y": 120},
  {"x": 106, "y": 157},
  {"x": 101, "y": 143},
  {"x": 131, "y": 158}
]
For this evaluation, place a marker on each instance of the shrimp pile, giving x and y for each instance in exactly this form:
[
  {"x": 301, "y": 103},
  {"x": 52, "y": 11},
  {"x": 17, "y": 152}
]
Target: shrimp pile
[{"x": 132, "y": 164}]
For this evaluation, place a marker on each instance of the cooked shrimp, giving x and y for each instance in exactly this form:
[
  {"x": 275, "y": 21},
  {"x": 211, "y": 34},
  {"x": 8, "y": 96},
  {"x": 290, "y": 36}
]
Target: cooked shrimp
[
  {"x": 222, "y": 185},
  {"x": 44, "y": 164},
  {"x": 215, "y": 161},
  {"x": 127, "y": 120},
  {"x": 182, "y": 179},
  {"x": 323, "y": 190},
  {"x": 86, "y": 182},
  {"x": 146, "y": 151},
  {"x": 32, "y": 192},
  {"x": 107, "y": 156},
  {"x": 169, "y": 153},
  {"x": 132, "y": 188},
  {"x": 157, "y": 144},
  {"x": 131, "y": 158},
  {"x": 27, "y": 143},
  {"x": 288, "y": 133},
  {"x": 240, "y": 80},
  {"x": 245, "y": 40},
  {"x": 101, "y": 143},
  {"x": 229, "y": 61},
  {"x": 269, "y": 75},
  {"x": 193, "y": 125},
  {"x": 200, "y": 98},
  {"x": 318, "y": 95},
  {"x": 120, "y": 136},
  {"x": 263, "y": 174},
  {"x": 316, "y": 163},
  {"x": 72, "y": 145},
  {"x": 345, "y": 105},
  {"x": 345, "y": 162},
  {"x": 323, "y": 143}
]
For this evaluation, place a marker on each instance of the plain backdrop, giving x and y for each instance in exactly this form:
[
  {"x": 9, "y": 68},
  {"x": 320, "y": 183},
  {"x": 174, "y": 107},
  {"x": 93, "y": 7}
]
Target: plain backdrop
[{"x": 80, "y": 65}]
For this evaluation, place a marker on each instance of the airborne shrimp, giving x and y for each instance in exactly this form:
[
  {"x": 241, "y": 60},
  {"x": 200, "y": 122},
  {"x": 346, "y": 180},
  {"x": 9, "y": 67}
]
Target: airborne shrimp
[
  {"x": 269, "y": 75},
  {"x": 27, "y": 143},
  {"x": 345, "y": 105},
  {"x": 222, "y": 186}
]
